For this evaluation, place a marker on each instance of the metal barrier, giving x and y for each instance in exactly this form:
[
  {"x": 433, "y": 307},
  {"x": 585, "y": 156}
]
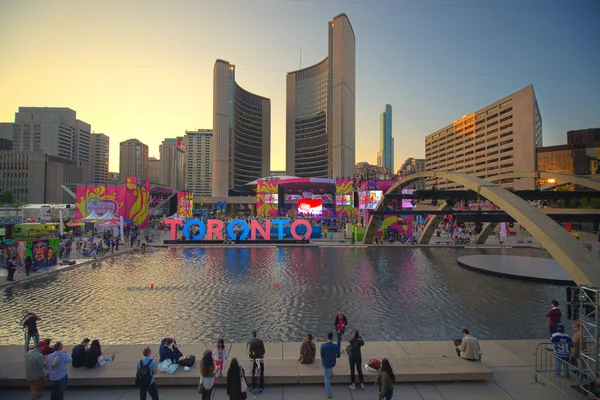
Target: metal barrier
[{"x": 576, "y": 387}]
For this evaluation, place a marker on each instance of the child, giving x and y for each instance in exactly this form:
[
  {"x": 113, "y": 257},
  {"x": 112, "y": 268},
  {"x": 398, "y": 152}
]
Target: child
[{"x": 220, "y": 355}]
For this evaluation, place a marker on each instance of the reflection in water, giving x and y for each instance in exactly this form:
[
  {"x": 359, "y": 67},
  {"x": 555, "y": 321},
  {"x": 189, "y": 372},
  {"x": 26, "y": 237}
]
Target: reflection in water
[{"x": 202, "y": 294}]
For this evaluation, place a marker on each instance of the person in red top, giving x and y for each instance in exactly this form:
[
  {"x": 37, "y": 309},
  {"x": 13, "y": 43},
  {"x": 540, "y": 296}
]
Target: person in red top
[
  {"x": 555, "y": 316},
  {"x": 30, "y": 324},
  {"x": 340, "y": 326}
]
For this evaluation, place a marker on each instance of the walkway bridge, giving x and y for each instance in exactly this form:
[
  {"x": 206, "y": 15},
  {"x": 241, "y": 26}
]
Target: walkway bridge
[{"x": 581, "y": 264}]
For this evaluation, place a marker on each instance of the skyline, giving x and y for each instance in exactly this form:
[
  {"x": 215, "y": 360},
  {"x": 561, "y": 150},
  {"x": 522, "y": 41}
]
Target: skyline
[{"x": 129, "y": 81}]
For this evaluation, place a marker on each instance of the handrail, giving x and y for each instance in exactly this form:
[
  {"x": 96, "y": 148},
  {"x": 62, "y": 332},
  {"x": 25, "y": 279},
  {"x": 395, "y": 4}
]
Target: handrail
[{"x": 576, "y": 387}]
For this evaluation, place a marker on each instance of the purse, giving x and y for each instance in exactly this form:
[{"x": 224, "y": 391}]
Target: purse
[
  {"x": 243, "y": 383},
  {"x": 200, "y": 386}
]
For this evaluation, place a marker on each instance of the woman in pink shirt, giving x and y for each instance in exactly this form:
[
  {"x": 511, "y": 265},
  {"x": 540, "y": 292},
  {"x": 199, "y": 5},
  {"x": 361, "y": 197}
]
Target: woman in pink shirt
[{"x": 340, "y": 326}]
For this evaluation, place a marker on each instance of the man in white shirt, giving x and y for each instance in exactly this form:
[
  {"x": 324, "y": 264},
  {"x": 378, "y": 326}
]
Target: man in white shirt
[{"x": 468, "y": 348}]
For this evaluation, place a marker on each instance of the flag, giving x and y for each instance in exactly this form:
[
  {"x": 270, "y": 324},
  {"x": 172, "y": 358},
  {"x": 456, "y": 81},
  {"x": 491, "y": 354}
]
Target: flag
[
  {"x": 60, "y": 229},
  {"x": 121, "y": 228}
]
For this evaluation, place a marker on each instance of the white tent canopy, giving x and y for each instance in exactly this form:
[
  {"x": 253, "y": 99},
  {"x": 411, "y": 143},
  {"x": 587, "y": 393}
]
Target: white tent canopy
[
  {"x": 107, "y": 216},
  {"x": 91, "y": 218}
]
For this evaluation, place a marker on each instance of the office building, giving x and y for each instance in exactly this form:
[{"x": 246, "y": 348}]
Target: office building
[
  {"x": 241, "y": 133},
  {"x": 154, "y": 170},
  {"x": 114, "y": 177},
  {"x": 497, "y": 139},
  {"x": 55, "y": 131},
  {"x": 320, "y": 109},
  {"x": 412, "y": 165},
  {"x": 172, "y": 163},
  {"x": 580, "y": 156},
  {"x": 133, "y": 160},
  {"x": 6, "y": 130},
  {"x": 198, "y": 163},
  {"x": 365, "y": 171},
  {"x": 385, "y": 155},
  {"x": 99, "y": 150},
  {"x": 35, "y": 177}
]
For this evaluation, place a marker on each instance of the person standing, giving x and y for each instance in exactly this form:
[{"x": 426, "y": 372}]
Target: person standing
[
  {"x": 35, "y": 371},
  {"x": 30, "y": 324},
  {"x": 576, "y": 349},
  {"x": 208, "y": 371},
  {"x": 28, "y": 264},
  {"x": 57, "y": 365},
  {"x": 235, "y": 375},
  {"x": 329, "y": 353},
  {"x": 11, "y": 267},
  {"x": 340, "y": 326},
  {"x": 220, "y": 356},
  {"x": 562, "y": 349},
  {"x": 150, "y": 362},
  {"x": 257, "y": 354},
  {"x": 355, "y": 358},
  {"x": 554, "y": 317},
  {"x": 386, "y": 380}
]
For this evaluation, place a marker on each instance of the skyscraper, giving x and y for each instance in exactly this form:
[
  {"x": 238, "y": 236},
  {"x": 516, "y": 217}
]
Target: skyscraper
[
  {"x": 198, "y": 164},
  {"x": 133, "y": 160},
  {"x": 241, "y": 133},
  {"x": 320, "y": 109},
  {"x": 99, "y": 150},
  {"x": 154, "y": 172},
  {"x": 172, "y": 163},
  {"x": 385, "y": 156}
]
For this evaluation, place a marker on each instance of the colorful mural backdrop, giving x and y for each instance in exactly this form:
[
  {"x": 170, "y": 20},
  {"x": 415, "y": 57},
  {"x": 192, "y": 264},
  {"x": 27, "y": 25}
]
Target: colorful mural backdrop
[
  {"x": 265, "y": 189},
  {"x": 401, "y": 223},
  {"x": 130, "y": 201},
  {"x": 17, "y": 249},
  {"x": 185, "y": 204},
  {"x": 345, "y": 187}
]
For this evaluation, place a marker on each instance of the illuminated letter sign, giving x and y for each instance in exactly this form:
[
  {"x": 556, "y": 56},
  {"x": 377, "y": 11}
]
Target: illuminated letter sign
[{"x": 213, "y": 228}]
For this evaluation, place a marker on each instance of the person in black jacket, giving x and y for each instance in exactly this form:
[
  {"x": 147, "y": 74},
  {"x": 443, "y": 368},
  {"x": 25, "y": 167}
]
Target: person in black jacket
[
  {"x": 340, "y": 326},
  {"x": 257, "y": 352},
  {"x": 235, "y": 374},
  {"x": 78, "y": 353},
  {"x": 93, "y": 355},
  {"x": 355, "y": 358}
]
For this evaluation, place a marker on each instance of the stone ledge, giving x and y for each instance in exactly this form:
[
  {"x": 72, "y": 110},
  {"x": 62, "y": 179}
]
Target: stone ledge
[{"x": 278, "y": 372}]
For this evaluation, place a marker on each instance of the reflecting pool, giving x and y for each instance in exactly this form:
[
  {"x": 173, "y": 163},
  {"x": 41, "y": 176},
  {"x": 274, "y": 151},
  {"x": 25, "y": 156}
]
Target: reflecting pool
[{"x": 201, "y": 294}]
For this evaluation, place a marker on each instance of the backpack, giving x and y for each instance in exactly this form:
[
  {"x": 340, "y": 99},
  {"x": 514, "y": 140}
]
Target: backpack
[
  {"x": 187, "y": 361},
  {"x": 143, "y": 376}
]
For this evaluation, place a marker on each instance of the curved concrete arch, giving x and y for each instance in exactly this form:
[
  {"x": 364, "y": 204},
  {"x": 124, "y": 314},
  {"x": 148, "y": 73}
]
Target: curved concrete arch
[
  {"x": 562, "y": 179},
  {"x": 579, "y": 263}
]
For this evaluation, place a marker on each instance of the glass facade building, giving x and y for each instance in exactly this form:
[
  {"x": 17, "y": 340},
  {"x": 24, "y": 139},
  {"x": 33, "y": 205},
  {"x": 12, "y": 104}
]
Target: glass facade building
[
  {"x": 241, "y": 133},
  {"x": 385, "y": 156},
  {"x": 320, "y": 110}
]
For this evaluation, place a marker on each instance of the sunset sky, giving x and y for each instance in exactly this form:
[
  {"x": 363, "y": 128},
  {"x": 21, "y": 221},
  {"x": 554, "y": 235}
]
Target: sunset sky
[{"x": 143, "y": 69}]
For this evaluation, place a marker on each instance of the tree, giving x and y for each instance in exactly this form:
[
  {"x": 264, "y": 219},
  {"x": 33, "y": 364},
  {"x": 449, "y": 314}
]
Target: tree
[{"x": 6, "y": 197}]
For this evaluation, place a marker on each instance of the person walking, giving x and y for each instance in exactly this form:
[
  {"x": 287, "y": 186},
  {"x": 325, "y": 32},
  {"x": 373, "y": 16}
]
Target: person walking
[
  {"x": 57, "y": 365},
  {"x": 35, "y": 371},
  {"x": 220, "y": 355},
  {"x": 554, "y": 317},
  {"x": 28, "y": 264},
  {"x": 236, "y": 390},
  {"x": 257, "y": 354},
  {"x": 355, "y": 358},
  {"x": 149, "y": 363},
  {"x": 340, "y": 325},
  {"x": 329, "y": 353},
  {"x": 208, "y": 371},
  {"x": 386, "y": 380}
]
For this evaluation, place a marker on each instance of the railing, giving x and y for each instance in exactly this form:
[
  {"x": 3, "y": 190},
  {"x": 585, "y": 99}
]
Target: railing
[{"x": 576, "y": 387}]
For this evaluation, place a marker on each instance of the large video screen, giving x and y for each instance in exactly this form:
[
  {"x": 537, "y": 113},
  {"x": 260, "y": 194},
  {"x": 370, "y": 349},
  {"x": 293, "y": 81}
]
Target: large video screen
[
  {"x": 369, "y": 199},
  {"x": 312, "y": 208},
  {"x": 407, "y": 203},
  {"x": 343, "y": 200},
  {"x": 271, "y": 198}
]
